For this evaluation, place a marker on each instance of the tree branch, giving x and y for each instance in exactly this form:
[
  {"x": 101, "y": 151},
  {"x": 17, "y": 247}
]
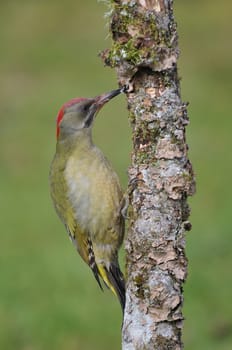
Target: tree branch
[{"x": 144, "y": 53}]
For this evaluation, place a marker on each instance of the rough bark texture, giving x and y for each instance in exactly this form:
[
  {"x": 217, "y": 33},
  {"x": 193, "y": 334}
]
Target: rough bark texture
[{"x": 144, "y": 53}]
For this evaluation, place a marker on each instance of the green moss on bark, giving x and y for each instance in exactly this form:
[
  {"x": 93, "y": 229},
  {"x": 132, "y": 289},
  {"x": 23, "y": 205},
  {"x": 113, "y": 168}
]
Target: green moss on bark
[{"x": 137, "y": 38}]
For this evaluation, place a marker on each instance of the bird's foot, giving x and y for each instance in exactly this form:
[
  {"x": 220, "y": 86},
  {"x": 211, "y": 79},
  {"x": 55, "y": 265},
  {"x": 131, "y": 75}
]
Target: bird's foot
[{"x": 126, "y": 197}]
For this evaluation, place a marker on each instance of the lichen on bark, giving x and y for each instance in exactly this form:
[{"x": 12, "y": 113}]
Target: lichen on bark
[{"x": 144, "y": 53}]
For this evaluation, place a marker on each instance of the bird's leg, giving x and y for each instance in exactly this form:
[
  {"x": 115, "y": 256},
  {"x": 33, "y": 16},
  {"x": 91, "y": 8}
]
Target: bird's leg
[
  {"x": 126, "y": 197},
  {"x": 125, "y": 205}
]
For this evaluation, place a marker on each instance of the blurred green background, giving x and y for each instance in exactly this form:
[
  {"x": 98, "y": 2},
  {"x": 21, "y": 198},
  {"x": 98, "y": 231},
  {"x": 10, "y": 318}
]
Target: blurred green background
[{"x": 48, "y": 54}]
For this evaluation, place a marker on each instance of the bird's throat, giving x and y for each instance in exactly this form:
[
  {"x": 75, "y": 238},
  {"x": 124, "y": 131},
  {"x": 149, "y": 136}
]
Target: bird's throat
[{"x": 80, "y": 140}]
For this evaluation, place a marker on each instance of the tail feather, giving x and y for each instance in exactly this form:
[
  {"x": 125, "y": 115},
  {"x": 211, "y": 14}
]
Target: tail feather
[
  {"x": 113, "y": 279},
  {"x": 117, "y": 280}
]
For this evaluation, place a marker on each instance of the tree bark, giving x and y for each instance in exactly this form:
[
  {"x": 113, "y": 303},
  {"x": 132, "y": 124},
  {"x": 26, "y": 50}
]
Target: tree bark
[{"x": 144, "y": 52}]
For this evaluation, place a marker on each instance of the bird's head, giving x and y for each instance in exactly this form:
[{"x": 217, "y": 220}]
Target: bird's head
[{"x": 78, "y": 114}]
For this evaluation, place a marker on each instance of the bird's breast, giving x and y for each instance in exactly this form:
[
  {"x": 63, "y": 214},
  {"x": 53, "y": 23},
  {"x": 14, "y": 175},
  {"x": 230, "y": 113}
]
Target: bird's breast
[{"x": 93, "y": 191}]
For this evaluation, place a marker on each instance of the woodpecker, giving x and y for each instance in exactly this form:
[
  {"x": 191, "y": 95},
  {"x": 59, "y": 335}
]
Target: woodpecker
[{"x": 86, "y": 192}]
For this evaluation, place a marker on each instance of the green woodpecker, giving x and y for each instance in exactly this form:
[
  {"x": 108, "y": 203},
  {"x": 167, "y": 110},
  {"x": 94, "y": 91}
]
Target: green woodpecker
[{"x": 86, "y": 192}]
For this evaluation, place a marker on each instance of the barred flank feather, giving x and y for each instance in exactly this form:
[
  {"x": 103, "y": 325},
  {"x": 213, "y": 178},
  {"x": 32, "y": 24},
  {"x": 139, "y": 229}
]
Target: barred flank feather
[{"x": 92, "y": 263}]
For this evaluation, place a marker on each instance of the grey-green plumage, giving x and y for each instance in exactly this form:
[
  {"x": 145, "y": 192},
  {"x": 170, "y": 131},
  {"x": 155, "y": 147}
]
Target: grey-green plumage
[{"x": 86, "y": 192}]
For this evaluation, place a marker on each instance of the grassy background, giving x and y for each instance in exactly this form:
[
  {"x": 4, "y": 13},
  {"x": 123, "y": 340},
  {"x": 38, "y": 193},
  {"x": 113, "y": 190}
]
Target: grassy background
[{"x": 48, "y": 298}]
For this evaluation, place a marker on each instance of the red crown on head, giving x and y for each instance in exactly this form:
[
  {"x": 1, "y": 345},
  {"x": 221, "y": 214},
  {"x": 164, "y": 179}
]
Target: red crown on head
[{"x": 60, "y": 114}]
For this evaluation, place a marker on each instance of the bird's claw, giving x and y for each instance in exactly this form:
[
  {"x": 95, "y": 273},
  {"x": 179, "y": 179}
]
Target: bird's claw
[{"x": 126, "y": 197}]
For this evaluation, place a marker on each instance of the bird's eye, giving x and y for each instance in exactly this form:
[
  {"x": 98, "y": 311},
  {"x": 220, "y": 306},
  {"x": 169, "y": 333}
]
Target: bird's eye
[{"x": 85, "y": 108}]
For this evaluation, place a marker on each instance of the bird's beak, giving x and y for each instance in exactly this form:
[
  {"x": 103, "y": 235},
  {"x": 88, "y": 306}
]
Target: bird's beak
[
  {"x": 99, "y": 101},
  {"x": 102, "y": 99}
]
